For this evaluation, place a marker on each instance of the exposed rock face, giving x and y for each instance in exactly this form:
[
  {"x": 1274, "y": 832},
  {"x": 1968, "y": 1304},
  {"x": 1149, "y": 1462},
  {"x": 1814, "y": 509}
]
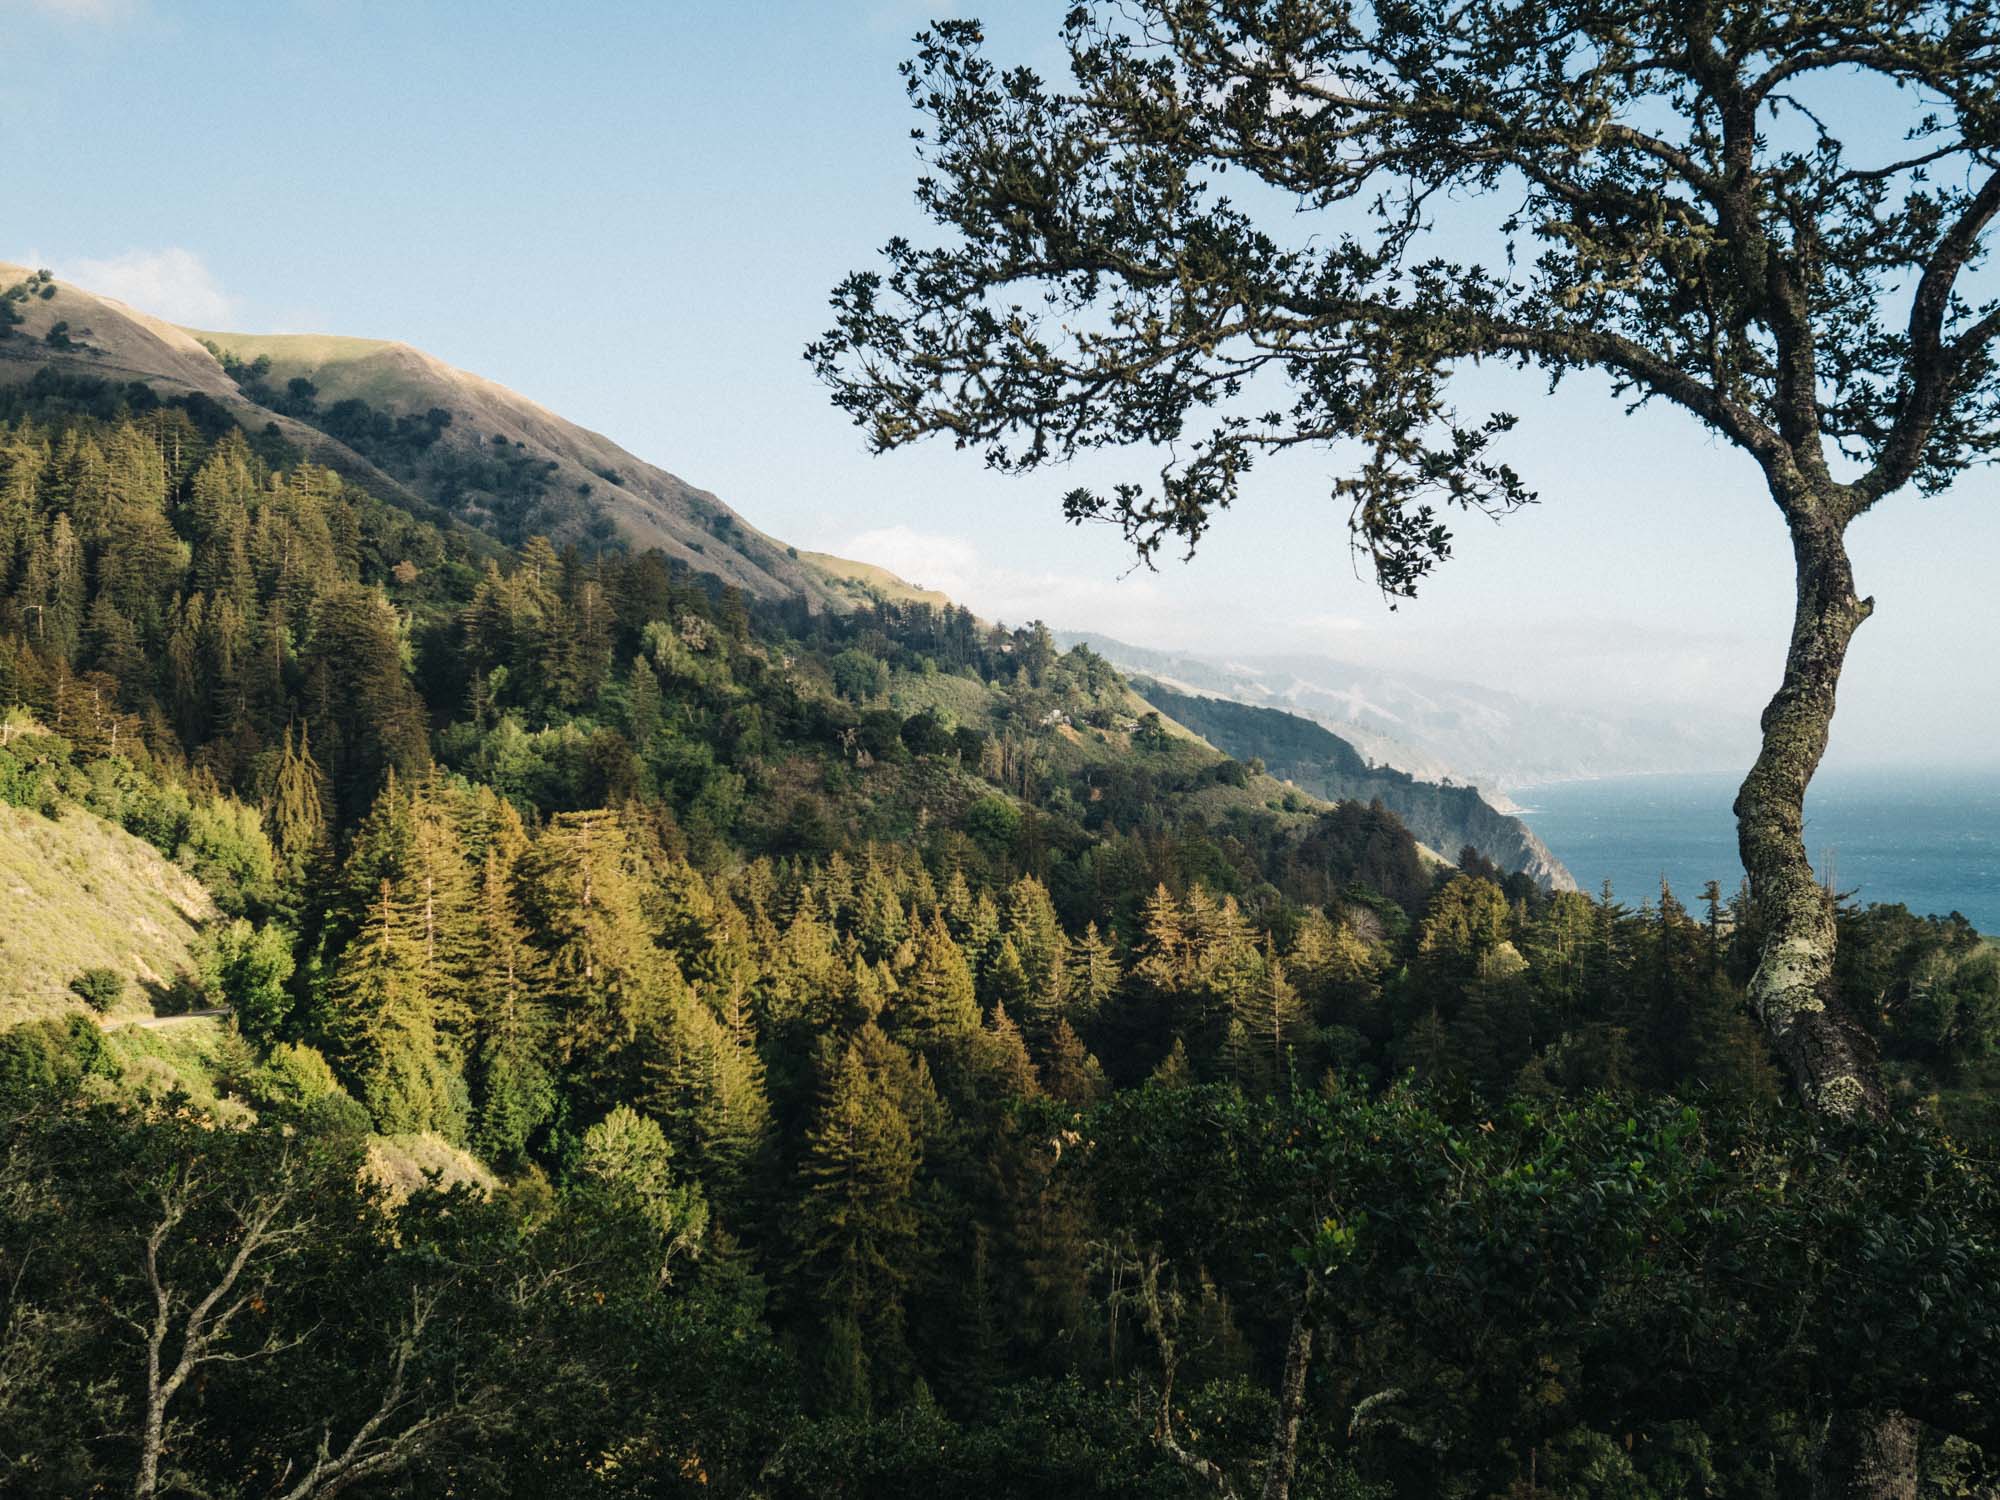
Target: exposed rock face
[{"x": 1295, "y": 749}]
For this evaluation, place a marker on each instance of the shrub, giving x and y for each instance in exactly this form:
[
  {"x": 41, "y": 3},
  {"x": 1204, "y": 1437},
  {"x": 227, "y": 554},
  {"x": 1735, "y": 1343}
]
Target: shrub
[
  {"x": 994, "y": 822},
  {"x": 295, "y": 1076},
  {"x": 100, "y": 989}
]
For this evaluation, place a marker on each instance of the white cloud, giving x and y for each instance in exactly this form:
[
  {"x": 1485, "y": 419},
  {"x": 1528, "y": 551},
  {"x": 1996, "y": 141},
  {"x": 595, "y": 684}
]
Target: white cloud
[
  {"x": 1133, "y": 606},
  {"x": 170, "y": 283}
]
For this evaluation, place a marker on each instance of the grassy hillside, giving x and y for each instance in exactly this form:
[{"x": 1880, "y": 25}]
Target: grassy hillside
[
  {"x": 867, "y": 584},
  {"x": 76, "y": 893}
]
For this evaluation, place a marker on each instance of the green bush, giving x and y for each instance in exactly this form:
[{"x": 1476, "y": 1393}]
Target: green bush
[{"x": 100, "y": 989}]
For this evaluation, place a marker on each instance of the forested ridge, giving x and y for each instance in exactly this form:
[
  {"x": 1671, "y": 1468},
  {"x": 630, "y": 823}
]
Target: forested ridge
[
  {"x": 1296, "y": 748},
  {"x": 905, "y": 1063}
]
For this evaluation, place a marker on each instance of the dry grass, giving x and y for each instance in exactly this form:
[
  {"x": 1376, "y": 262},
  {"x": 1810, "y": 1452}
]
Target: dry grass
[
  {"x": 402, "y": 1164},
  {"x": 80, "y": 893},
  {"x": 865, "y": 583}
]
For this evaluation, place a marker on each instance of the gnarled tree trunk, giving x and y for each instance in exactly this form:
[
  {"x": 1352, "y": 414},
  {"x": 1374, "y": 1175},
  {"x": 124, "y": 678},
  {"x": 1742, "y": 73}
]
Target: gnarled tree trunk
[
  {"x": 1830, "y": 1057},
  {"x": 1863, "y": 1455}
]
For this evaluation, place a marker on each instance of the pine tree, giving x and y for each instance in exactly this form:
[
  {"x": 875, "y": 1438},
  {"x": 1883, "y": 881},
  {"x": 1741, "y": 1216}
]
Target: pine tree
[
  {"x": 386, "y": 1028},
  {"x": 1662, "y": 1010},
  {"x": 1005, "y": 981},
  {"x": 609, "y": 984},
  {"x": 1004, "y": 1058},
  {"x": 879, "y": 923},
  {"x": 442, "y": 886},
  {"x": 1174, "y": 1071},
  {"x": 855, "y": 1232},
  {"x": 1265, "y": 1027},
  {"x": 956, "y": 904},
  {"x": 804, "y": 974},
  {"x": 937, "y": 1006},
  {"x": 707, "y": 1085},
  {"x": 982, "y": 930},
  {"x": 507, "y": 995},
  {"x": 1036, "y": 934},
  {"x": 111, "y": 644},
  {"x": 1092, "y": 976},
  {"x": 836, "y": 886},
  {"x": 642, "y": 703},
  {"x": 627, "y": 1160},
  {"x": 1164, "y": 958},
  {"x": 1070, "y": 1073}
]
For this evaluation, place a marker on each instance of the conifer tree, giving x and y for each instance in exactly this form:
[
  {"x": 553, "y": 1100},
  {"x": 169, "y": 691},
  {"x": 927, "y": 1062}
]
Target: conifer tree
[
  {"x": 642, "y": 703},
  {"x": 1032, "y": 927},
  {"x": 854, "y": 1236},
  {"x": 1164, "y": 958},
  {"x": 1004, "y": 1058},
  {"x": 627, "y": 1159},
  {"x": 1092, "y": 976},
  {"x": 1070, "y": 1073},
  {"x": 507, "y": 997},
  {"x": 836, "y": 886},
  {"x": 879, "y": 923},
  {"x": 111, "y": 644},
  {"x": 442, "y": 888},
  {"x": 297, "y": 815},
  {"x": 982, "y": 929},
  {"x": 937, "y": 1006},
  {"x": 707, "y": 1086},
  {"x": 1265, "y": 1027},
  {"x": 956, "y": 904},
  {"x": 385, "y": 1025},
  {"x": 1174, "y": 1071},
  {"x": 1005, "y": 981},
  {"x": 609, "y": 985}
]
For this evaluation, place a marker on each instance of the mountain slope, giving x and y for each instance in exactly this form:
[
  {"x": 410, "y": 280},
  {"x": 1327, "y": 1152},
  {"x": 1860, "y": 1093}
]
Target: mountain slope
[
  {"x": 491, "y": 457},
  {"x": 1296, "y": 749}
]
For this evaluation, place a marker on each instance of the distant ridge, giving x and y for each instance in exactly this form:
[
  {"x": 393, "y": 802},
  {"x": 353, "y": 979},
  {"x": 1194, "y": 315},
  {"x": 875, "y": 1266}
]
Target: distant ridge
[
  {"x": 1312, "y": 757},
  {"x": 1437, "y": 729}
]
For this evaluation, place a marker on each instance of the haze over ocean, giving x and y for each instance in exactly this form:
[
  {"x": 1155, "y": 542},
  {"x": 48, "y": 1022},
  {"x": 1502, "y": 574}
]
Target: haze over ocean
[{"x": 1929, "y": 839}]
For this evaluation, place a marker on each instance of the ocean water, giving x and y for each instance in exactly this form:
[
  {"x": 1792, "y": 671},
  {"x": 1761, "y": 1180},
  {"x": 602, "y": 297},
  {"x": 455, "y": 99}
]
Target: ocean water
[{"x": 1928, "y": 839}]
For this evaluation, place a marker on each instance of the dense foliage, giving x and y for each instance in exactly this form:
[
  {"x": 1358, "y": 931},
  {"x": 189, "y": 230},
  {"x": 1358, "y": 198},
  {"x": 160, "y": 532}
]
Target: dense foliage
[{"x": 896, "y": 1062}]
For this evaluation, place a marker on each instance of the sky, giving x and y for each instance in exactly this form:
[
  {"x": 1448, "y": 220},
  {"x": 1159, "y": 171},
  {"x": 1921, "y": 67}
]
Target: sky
[{"x": 634, "y": 212}]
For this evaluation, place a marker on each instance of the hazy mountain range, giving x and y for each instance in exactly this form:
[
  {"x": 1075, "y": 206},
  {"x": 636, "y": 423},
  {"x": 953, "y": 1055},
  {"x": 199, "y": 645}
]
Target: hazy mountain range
[{"x": 1439, "y": 730}]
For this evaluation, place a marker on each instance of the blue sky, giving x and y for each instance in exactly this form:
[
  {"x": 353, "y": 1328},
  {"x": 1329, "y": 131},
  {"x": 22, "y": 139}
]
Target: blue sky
[{"x": 633, "y": 213}]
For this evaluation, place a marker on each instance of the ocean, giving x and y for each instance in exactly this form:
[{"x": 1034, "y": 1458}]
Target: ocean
[{"x": 1928, "y": 839}]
